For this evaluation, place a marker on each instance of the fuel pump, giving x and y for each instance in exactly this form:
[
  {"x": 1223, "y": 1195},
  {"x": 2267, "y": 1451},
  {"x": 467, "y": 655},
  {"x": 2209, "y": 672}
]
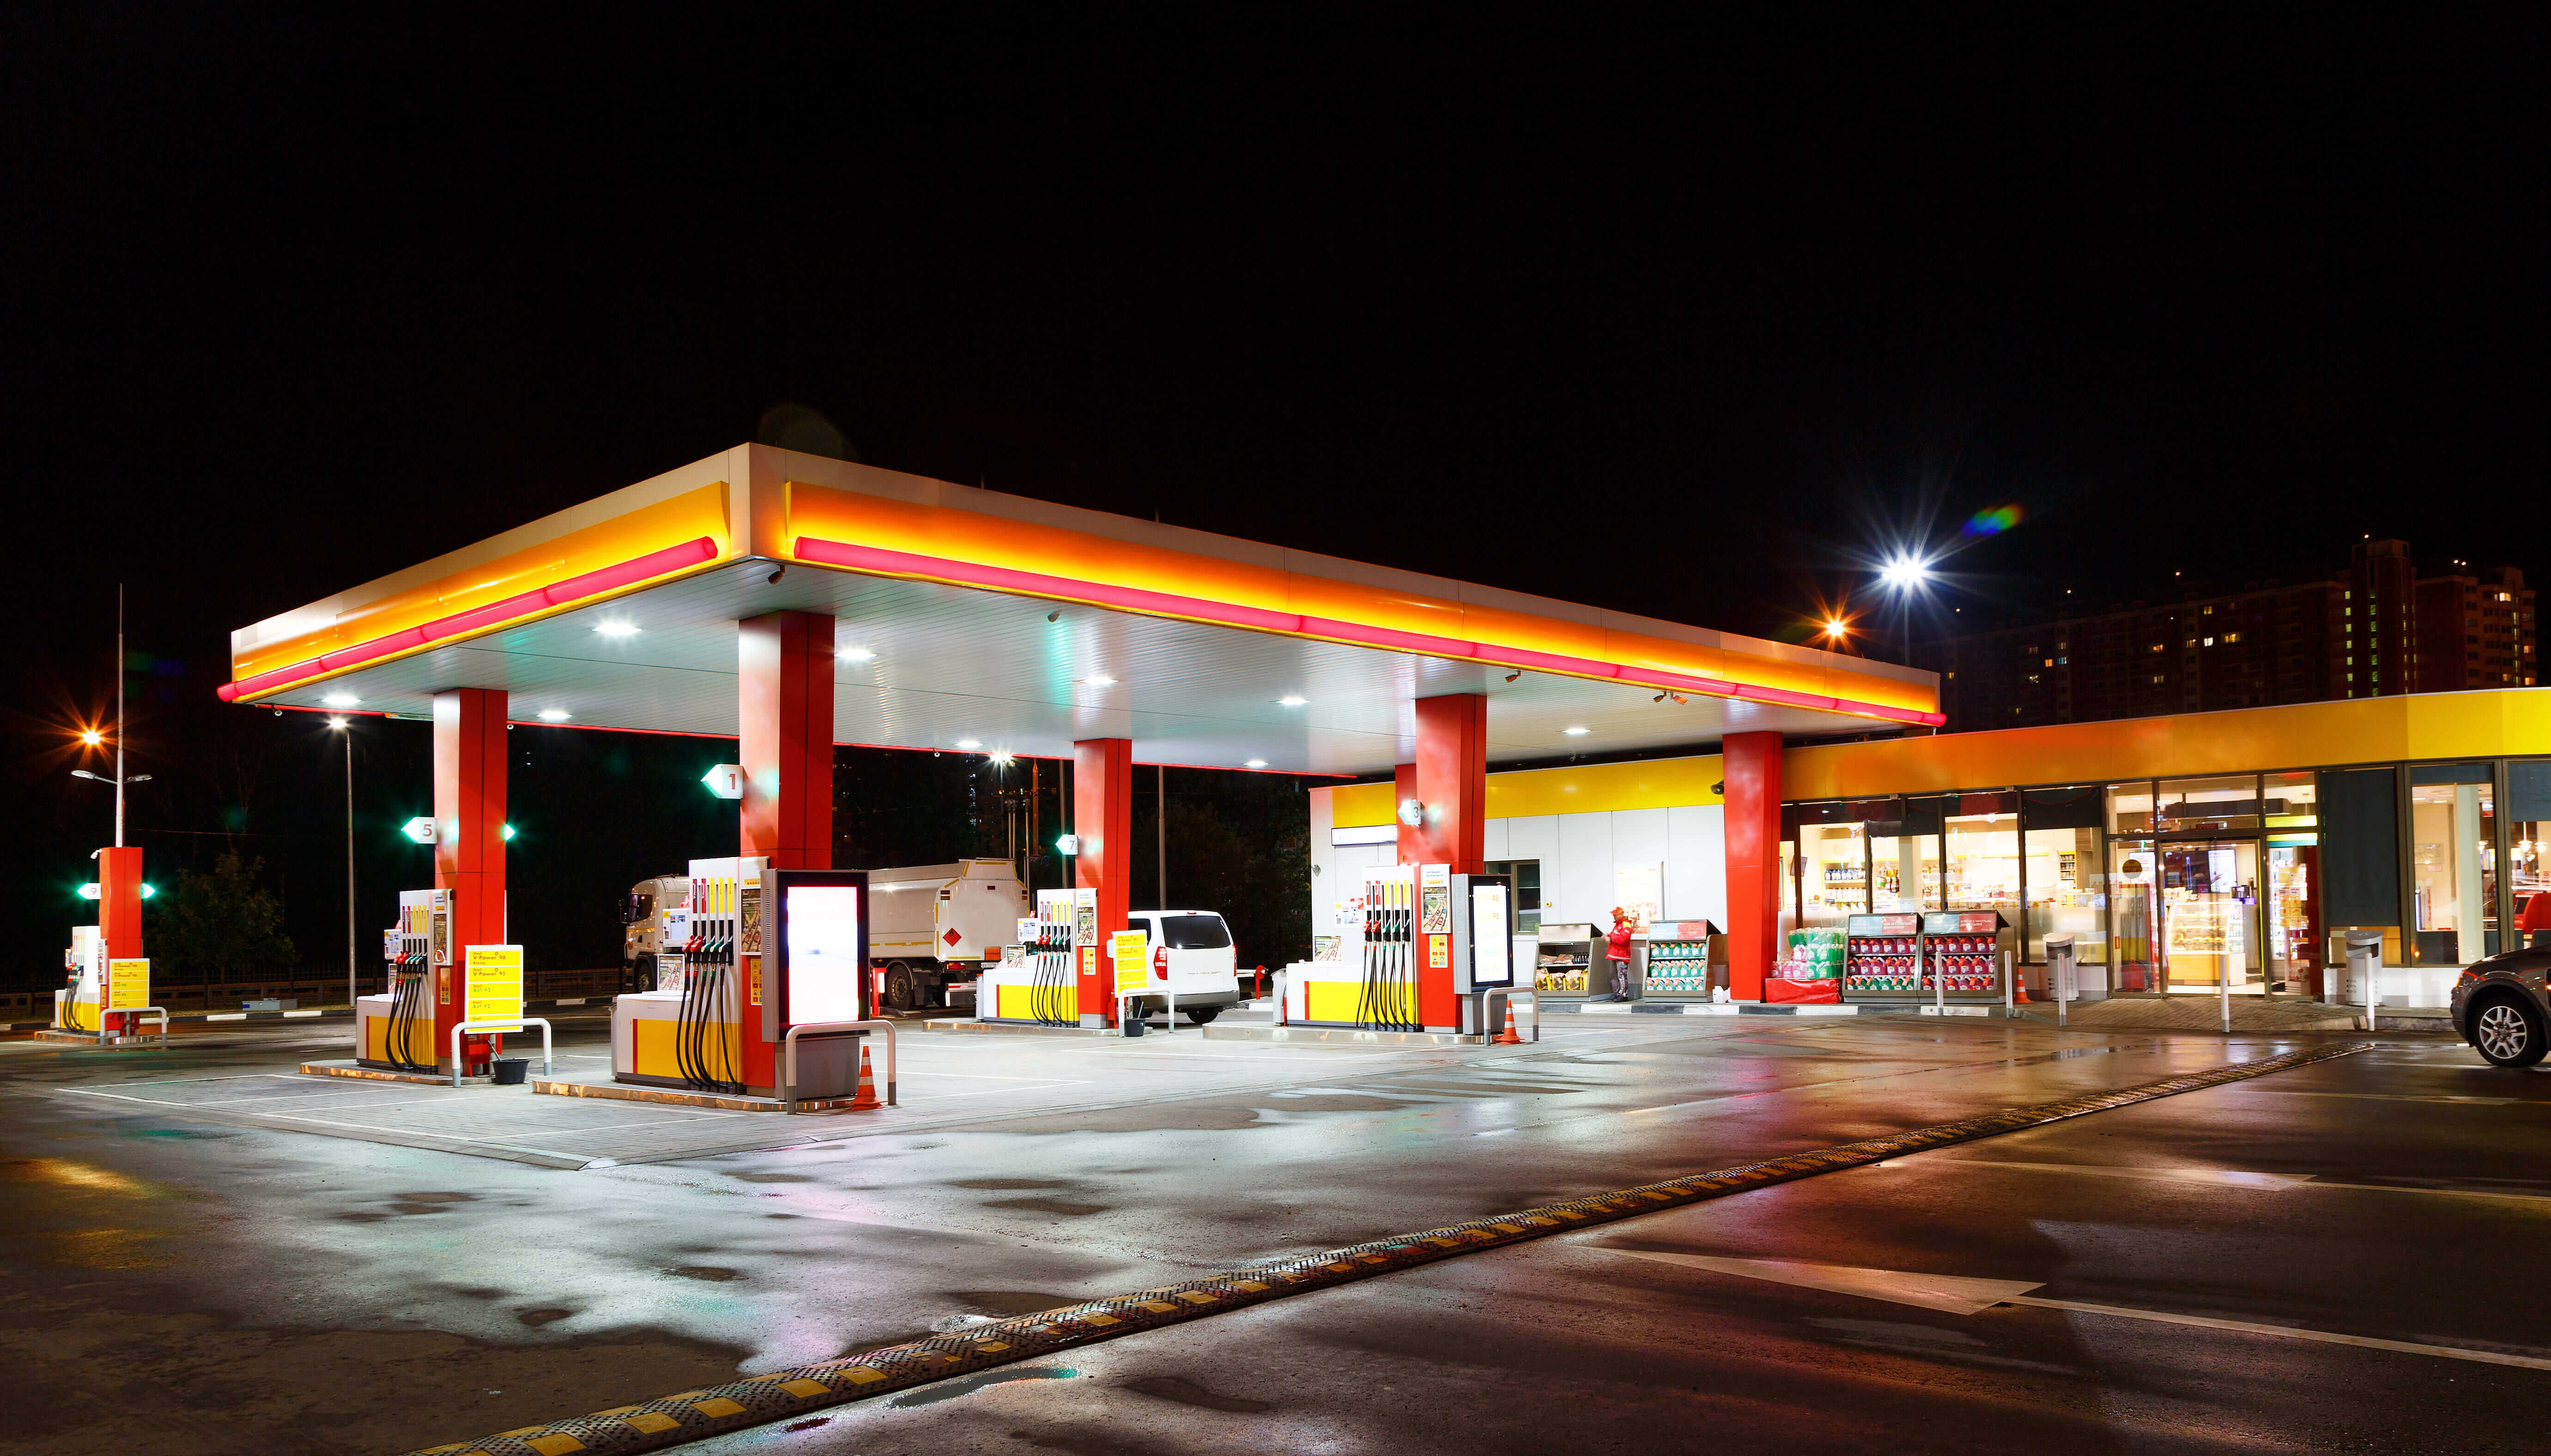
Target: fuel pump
[
  {"x": 83, "y": 982},
  {"x": 394, "y": 1030},
  {"x": 688, "y": 1031},
  {"x": 1388, "y": 998}
]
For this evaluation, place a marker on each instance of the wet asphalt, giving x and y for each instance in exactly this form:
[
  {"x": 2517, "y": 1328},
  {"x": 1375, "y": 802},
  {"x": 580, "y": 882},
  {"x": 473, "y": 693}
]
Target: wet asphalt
[{"x": 187, "y": 1285}]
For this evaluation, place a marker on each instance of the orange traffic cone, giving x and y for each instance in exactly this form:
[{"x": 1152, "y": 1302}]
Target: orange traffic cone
[
  {"x": 1506, "y": 1026},
  {"x": 866, "y": 1097}
]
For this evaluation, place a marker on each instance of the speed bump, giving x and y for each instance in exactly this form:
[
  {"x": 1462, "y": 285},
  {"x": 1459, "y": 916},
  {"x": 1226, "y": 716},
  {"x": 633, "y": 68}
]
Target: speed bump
[{"x": 692, "y": 1416}]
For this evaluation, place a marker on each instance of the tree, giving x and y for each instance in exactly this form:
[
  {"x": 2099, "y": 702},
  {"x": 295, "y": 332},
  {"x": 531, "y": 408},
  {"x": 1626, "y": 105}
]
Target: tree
[{"x": 223, "y": 925}]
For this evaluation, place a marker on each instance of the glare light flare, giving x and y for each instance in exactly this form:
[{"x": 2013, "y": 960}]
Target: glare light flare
[
  {"x": 336, "y": 722},
  {"x": 1835, "y": 628},
  {"x": 1906, "y": 572},
  {"x": 91, "y": 737},
  {"x": 1992, "y": 520}
]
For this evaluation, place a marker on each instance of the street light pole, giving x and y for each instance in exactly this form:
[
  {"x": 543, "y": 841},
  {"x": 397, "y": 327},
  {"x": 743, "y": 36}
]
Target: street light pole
[
  {"x": 119, "y": 715},
  {"x": 346, "y": 726}
]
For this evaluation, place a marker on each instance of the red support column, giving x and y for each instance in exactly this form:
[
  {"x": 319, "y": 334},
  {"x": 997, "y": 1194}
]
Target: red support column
[
  {"x": 784, "y": 728},
  {"x": 1403, "y": 788},
  {"x": 468, "y": 842},
  {"x": 119, "y": 910},
  {"x": 1102, "y": 814},
  {"x": 784, "y": 737},
  {"x": 1452, "y": 781},
  {"x": 1753, "y": 834}
]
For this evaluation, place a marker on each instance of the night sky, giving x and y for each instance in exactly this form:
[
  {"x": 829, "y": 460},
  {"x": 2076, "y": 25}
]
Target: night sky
[{"x": 1686, "y": 317}]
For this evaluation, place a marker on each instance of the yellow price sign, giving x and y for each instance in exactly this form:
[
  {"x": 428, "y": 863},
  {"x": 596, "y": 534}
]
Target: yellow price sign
[
  {"x": 1131, "y": 952},
  {"x": 128, "y": 985},
  {"x": 494, "y": 987}
]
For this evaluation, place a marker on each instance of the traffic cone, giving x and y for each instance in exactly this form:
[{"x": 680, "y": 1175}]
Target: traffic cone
[
  {"x": 866, "y": 1099},
  {"x": 1506, "y": 1026}
]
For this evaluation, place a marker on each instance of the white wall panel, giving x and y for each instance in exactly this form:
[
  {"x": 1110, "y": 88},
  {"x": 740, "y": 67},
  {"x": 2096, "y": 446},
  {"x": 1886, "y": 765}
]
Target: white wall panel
[
  {"x": 1492, "y": 839},
  {"x": 1535, "y": 836},
  {"x": 1697, "y": 863},
  {"x": 1639, "y": 835},
  {"x": 1584, "y": 878}
]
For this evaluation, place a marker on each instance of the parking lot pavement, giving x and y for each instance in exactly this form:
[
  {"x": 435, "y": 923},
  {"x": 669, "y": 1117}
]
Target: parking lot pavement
[{"x": 333, "y": 1293}]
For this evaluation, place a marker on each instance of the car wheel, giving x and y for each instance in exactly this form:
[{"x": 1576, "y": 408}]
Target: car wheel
[
  {"x": 1203, "y": 1013},
  {"x": 898, "y": 986},
  {"x": 2508, "y": 1032},
  {"x": 643, "y": 973}
]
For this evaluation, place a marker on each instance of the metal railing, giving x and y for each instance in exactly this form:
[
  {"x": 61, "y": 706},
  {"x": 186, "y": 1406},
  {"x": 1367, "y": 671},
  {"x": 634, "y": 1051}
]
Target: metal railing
[
  {"x": 1488, "y": 999},
  {"x": 500, "y": 1026},
  {"x": 789, "y": 1055}
]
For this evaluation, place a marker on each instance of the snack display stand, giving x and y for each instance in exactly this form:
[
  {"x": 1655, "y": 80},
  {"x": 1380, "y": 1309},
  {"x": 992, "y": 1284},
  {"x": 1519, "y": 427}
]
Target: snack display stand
[
  {"x": 1571, "y": 966},
  {"x": 1949, "y": 955},
  {"x": 1685, "y": 958}
]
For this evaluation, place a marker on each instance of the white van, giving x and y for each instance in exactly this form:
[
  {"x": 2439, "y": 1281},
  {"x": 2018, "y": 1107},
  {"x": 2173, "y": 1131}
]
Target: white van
[{"x": 1193, "y": 958}]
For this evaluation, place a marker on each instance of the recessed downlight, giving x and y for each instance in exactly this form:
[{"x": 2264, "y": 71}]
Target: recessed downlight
[
  {"x": 1292, "y": 700},
  {"x": 616, "y": 629},
  {"x": 341, "y": 699},
  {"x": 1257, "y": 763},
  {"x": 1098, "y": 680},
  {"x": 854, "y": 654},
  {"x": 554, "y": 715},
  {"x": 970, "y": 742},
  {"x": 1577, "y": 732}
]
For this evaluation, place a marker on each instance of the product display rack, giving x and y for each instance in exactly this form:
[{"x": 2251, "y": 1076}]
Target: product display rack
[
  {"x": 1681, "y": 954},
  {"x": 1569, "y": 966},
  {"x": 1951, "y": 955}
]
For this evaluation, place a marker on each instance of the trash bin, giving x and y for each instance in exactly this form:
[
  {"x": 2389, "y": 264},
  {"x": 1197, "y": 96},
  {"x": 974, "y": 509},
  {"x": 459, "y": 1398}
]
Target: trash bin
[
  {"x": 508, "y": 1070},
  {"x": 2364, "y": 967},
  {"x": 2063, "y": 969}
]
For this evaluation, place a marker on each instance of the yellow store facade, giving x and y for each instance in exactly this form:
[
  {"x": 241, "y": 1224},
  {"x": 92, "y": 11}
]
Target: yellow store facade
[{"x": 2181, "y": 852}]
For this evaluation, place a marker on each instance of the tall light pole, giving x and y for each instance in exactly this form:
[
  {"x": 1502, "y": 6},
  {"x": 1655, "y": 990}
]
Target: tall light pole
[
  {"x": 90, "y": 737},
  {"x": 1906, "y": 575},
  {"x": 344, "y": 725}
]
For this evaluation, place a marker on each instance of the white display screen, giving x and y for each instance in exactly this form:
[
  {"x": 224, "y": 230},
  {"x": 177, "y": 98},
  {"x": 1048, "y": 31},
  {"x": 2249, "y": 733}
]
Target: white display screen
[
  {"x": 1492, "y": 948},
  {"x": 823, "y": 953}
]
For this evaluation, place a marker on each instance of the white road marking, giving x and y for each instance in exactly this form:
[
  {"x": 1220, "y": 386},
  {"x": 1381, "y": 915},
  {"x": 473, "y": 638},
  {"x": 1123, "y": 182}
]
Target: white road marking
[
  {"x": 2102, "y": 1170},
  {"x": 1959, "y": 1295}
]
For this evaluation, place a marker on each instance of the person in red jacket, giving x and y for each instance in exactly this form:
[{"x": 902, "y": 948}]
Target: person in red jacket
[{"x": 1617, "y": 951}]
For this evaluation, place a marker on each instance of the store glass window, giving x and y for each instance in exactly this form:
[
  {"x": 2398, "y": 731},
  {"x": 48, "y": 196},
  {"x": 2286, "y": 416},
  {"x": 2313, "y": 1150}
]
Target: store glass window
[
  {"x": 2291, "y": 801},
  {"x": 1904, "y": 871},
  {"x": 2067, "y": 879},
  {"x": 1833, "y": 874},
  {"x": 2528, "y": 811},
  {"x": 2453, "y": 863},
  {"x": 2228, "y": 803},
  {"x": 1524, "y": 876},
  {"x": 2130, "y": 808},
  {"x": 1981, "y": 851},
  {"x": 2133, "y": 901}
]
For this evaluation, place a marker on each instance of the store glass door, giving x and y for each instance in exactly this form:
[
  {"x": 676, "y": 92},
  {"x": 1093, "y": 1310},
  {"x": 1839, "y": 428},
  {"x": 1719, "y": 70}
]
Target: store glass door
[{"x": 2210, "y": 916}]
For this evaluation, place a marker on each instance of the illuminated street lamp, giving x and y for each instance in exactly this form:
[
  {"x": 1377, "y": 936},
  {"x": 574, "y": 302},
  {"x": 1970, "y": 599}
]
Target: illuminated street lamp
[{"x": 1906, "y": 574}]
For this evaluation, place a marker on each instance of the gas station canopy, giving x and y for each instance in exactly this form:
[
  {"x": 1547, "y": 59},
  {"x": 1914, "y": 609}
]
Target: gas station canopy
[{"x": 971, "y": 621}]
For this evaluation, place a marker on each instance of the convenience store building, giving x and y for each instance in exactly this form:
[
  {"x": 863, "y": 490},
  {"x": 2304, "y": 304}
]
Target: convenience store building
[{"x": 2178, "y": 851}]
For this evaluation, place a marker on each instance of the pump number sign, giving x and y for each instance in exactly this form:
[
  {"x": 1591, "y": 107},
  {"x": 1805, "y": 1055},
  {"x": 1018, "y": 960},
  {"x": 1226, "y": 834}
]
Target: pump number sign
[
  {"x": 128, "y": 985},
  {"x": 496, "y": 987}
]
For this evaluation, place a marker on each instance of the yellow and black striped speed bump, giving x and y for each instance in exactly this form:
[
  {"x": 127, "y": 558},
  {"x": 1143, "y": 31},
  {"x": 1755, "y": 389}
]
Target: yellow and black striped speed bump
[{"x": 782, "y": 1393}]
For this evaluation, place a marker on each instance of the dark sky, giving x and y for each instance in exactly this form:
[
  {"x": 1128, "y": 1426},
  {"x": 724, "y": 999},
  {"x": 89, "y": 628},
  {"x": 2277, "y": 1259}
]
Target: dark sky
[{"x": 1666, "y": 313}]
